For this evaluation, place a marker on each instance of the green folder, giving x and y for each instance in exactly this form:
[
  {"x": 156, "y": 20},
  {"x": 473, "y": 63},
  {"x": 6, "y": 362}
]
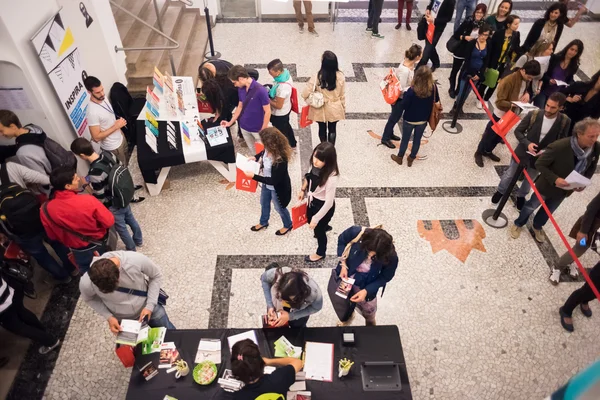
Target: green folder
[{"x": 491, "y": 77}]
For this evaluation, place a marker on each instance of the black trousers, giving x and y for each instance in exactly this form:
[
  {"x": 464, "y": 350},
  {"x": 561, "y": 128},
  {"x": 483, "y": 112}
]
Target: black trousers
[
  {"x": 456, "y": 64},
  {"x": 584, "y": 294},
  {"x": 375, "y": 7},
  {"x": 282, "y": 122},
  {"x": 490, "y": 139},
  {"x": 321, "y": 228},
  {"x": 323, "y": 128},
  {"x": 20, "y": 321},
  {"x": 299, "y": 323},
  {"x": 430, "y": 53},
  {"x": 393, "y": 119}
]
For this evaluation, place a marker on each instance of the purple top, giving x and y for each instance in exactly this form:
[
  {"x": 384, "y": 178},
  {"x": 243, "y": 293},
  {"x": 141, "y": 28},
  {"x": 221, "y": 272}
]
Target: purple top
[
  {"x": 253, "y": 113},
  {"x": 557, "y": 74}
]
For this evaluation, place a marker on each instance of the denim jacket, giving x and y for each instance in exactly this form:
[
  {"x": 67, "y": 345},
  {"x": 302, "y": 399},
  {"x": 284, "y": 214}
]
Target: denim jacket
[{"x": 378, "y": 276}]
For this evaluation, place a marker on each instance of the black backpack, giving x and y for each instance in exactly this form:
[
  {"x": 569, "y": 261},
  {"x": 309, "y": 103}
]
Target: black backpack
[
  {"x": 19, "y": 208},
  {"x": 120, "y": 182},
  {"x": 57, "y": 155}
]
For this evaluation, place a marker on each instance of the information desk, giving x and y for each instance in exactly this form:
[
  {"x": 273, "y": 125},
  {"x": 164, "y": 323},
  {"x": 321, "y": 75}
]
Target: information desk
[
  {"x": 376, "y": 343},
  {"x": 155, "y": 163}
]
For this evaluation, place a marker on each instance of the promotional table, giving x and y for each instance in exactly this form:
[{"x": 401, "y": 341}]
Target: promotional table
[
  {"x": 373, "y": 343},
  {"x": 221, "y": 157}
]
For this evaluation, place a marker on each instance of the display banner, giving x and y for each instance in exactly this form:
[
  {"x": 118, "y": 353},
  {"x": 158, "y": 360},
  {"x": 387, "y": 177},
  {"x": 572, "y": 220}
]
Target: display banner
[{"x": 56, "y": 48}]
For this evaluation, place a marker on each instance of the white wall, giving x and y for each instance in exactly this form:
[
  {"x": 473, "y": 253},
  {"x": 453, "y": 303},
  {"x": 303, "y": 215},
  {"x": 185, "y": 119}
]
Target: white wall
[{"x": 279, "y": 7}]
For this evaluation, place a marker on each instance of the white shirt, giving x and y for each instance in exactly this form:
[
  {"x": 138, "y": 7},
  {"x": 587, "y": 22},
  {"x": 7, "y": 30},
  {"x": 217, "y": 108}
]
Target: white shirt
[
  {"x": 405, "y": 76},
  {"x": 102, "y": 115},
  {"x": 546, "y": 126},
  {"x": 284, "y": 91}
]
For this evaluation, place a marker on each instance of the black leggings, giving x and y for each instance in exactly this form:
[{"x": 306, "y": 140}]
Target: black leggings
[
  {"x": 323, "y": 128},
  {"x": 584, "y": 294},
  {"x": 456, "y": 64}
]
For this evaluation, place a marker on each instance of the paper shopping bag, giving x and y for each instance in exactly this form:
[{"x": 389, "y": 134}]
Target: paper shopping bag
[
  {"x": 244, "y": 183},
  {"x": 506, "y": 123},
  {"x": 304, "y": 121},
  {"x": 299, "y": 215},
  {"x": 204, "y": 107},
  {"x": 258, "y": 147},
  {"x": 126, "y": 355},
  {"x": 390, "y": 88},
  {"x": 430, "y": 30}
]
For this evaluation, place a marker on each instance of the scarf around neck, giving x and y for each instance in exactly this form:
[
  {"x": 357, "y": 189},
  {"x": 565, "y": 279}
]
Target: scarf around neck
[
  {"x": 283, "y": 77},
  {"x": 582, "y": 155}
]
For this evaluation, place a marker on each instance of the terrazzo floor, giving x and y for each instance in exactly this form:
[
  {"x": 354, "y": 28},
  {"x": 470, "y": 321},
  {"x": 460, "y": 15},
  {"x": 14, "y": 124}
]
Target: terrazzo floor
[{"x": 485, "y": 328}]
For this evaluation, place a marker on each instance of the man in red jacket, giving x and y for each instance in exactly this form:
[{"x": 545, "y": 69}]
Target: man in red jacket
[{"x": 80, "y": 222}]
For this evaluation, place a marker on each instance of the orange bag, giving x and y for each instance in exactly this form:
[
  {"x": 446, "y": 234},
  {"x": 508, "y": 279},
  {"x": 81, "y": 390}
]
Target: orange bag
[
  {"x": 430, "y": 31},
  {"x": 299, "y": 215},
  {"x": 304, "y": 121},
  {"x": 390, "y": 87},
  {"x": 244, "y": 183},
  {"x": 506, "y": 123}
]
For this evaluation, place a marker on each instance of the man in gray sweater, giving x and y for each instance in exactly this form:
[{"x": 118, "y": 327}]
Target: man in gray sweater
[{"x": 117, "y": 270}]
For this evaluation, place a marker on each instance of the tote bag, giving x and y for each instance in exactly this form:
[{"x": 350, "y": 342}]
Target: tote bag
[
  {"x": 304, "y": 121},
  {"x": 390, "y": 87}
]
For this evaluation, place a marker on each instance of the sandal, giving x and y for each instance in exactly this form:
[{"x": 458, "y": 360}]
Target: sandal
[{"x": 255, "y": 229}]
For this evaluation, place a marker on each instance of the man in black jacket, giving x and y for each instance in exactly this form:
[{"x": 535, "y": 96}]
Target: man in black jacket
[
  {"x": 439, "y": 13},
  {"x": 535, "y": 132}
]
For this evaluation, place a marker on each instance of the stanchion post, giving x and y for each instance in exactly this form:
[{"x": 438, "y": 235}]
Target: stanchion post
[
  {"x": 213, "y": 55},
  {"x": 453, "y": 124},
  {"x": 495, "y": 218}
]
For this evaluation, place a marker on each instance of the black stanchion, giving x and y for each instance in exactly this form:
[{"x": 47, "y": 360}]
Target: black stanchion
[
  {"x": 213, "y": 55},
  {"x": 453, "y": 126},
  {"x": 495, "y": 218}
]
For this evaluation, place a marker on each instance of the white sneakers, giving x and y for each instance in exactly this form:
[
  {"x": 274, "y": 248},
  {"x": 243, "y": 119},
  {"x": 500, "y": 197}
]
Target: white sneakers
[
  {"x": 573, "y": 271},
  {"x": 478, "y": 105},
  {"x": 515, "y": 231},
  {"x": 555, "y": 276}
]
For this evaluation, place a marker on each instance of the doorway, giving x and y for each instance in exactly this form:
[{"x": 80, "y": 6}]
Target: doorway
[{"x": 238, "y": 8}]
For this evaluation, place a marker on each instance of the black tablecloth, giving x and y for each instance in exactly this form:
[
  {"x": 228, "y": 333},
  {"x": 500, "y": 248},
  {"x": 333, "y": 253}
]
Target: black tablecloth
[
  {"x": 150, "y": 162},
  {"x": 379, "y": 343}
]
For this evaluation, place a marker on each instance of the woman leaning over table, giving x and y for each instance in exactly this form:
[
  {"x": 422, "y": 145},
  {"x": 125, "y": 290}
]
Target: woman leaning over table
[
  {"x": 277, "y": 187},
  {"x": 319, "y": 186},
  {"x": 372, "y": 262},
  {"x": 329, "y": 81}
]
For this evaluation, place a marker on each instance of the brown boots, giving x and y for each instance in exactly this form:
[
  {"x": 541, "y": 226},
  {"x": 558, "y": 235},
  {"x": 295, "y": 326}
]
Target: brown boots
[
  {"x": 398, "y": 159},
  {"x": 409, "y": 161}
]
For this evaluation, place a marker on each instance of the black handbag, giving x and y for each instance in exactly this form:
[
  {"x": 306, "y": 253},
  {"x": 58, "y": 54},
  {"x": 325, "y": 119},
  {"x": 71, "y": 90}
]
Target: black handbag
[
  {"x": 422, "y": 29},
  {"x": 452, "y": 44},
  {"x": 343, "y": 308}
]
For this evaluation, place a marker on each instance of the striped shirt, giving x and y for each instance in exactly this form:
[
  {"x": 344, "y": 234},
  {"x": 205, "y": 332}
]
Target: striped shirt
[
  {"x": 98, "y": 177},
  {"x": 6, "y": 295}
]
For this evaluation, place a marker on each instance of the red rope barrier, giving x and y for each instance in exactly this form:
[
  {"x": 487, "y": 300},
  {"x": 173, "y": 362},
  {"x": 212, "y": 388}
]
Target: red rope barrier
[{"x": 539, "y": 196}]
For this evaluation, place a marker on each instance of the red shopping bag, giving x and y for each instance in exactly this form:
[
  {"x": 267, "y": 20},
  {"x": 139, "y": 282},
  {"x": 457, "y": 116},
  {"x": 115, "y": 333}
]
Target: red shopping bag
[
  {"x": 244, "y": 183},
  {"x": 304, "y": 121},
  {"x": 204, "y": 107},
  {"x": 430, "y": 30},
  {"x": 506, "y": 123},
  {"x": 125, "y": 354},
  {"x": 299, "y": 215},
  {"x": 390, "y": 88},
  {"x": 258, "y": 146}
]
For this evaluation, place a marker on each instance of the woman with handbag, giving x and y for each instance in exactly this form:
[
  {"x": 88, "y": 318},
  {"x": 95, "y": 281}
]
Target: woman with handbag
[
  {"x": 458, "y": 43},
  {"x": 504, "y": 43},
  {"x": 404, "y": 73},
  {"x": 418, "y": 102},
  {"x": 368, "y": 256},
  {"x": 319, "y": 186},
  {"x": 496, "y": 20},
  {"x": 549, "y": 27},
  {"x": 325, "y": 93},
  {"x": 291, "y": 295},
  {"x": 277, "y": 187}
]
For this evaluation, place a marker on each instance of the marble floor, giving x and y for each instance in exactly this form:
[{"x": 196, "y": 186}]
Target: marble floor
[{"x": 476, "y": 323}]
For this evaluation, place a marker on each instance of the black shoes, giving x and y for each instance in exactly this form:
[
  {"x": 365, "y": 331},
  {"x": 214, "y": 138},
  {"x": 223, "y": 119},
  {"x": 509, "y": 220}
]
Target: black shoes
[
  {"x": 394, "y": 137},
  {"x": 479, "y": 160},
  {"x": 388, "y": 143},
  {"x": 563, "y": 315},
  {"x": 452, "y": 93},
  {"x": 408, "y": 27},
  {"x": 520, "y": 203},
  {"x": 138, "y": 187},
  {"x": 492, "y": 156},
  {"x": 260, "y": 228},
  {"x": 496, "y": 197},
  {"x": 308, "y": 260},
  {"x": 398, "y": 26},
  {"x": 587, "y": 313},
  {"x": 279, "y": 233}
]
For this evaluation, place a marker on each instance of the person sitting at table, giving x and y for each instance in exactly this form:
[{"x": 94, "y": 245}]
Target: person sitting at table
[
  {"x": 371, "y": 261},
  {"x": 291, "y": 296},
  {"x": 106, "y": 285},
  {"x": 247, "y": 365}
]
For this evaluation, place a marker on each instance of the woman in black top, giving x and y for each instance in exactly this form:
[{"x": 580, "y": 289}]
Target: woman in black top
[
  {"x": 548, "y": 28},
  {"x": 504, "y": 43},
  {"x": 466, "y": 32},
  {"x": 444, "y": 10},
  {"x": 583, "y": 100},
  {"x": 211, "y": 93},
  {"x": 277, "y": 187}
]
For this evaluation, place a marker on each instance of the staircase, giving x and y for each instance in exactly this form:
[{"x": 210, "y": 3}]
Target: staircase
[{"x": 183, "y": 24}]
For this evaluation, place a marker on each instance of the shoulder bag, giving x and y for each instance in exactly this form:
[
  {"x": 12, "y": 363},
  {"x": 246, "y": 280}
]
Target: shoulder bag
[
  {"x": 436, "y": 111},
  {"x": 315, "y": 98},
  {"x": 97, "y": 242},
  {"x": 162, "y": 295},
  {"x": 452, "y": 44}
]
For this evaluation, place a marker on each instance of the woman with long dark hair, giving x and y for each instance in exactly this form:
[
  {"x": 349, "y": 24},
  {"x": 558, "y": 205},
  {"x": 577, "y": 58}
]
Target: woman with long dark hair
[
  {"x": 212, "y": 93},
  {"x": 583, "y": 100},
  {"x": 291, "y": 295},
  {"x": 418, "y": 103},
  {"x": 319, "y": 186},
  {"x": 277, "y": 187},
  {"x": 549, "y": 27},
  {"x": 496, "y": 20},
  {"x": 330, "y": 82},
  {"x": 562, "y": 67},
  {"x": 467, "y": 31}
]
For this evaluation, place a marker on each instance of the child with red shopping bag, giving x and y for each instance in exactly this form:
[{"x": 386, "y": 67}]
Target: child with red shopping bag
[{"x": 319, "y": 187}]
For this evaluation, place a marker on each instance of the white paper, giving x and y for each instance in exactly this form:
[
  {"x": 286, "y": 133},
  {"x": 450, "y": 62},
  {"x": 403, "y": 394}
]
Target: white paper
[
  {"x": 216, "y": 135},
  {"x": 318, "y": 362},
  {"x": 243, "y": 163},
  {"x": 576, "y": 181},
  {"x": 560, "y": 83},
  {"x": 241, "y": 336},
  {"x": 524, "y": 106},
  {"x": 298, "y": 386},
  {"x": 209, "y": 350}
]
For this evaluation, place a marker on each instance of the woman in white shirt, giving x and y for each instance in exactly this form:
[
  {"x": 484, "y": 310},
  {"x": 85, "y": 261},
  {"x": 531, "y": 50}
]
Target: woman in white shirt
[
  {"x": 319, "y": 186},
  {"x": 405, "y": 74},
  {"x": 541, "y": 52}
]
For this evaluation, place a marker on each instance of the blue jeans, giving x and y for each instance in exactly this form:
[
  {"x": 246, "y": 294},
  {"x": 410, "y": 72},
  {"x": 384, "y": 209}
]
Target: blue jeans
[
  {"x": 34, "y": 246},
  {"x": 84, "y": 256},
  {"x": 508, "y": 175},
  {"x": 541, "y": 217},
  {"x": 266, "y": 196},
  {"x": 160, "y": 319},
  {"x": 124, "y": 217},
  {"x": 462, "y": 6},
  {"x": 394, "y": 118},
  {"x": 407, "y": 131}
]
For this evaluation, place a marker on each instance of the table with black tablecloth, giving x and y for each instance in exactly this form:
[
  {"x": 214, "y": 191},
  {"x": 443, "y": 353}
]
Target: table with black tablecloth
[{"x": 374, "y": 343}]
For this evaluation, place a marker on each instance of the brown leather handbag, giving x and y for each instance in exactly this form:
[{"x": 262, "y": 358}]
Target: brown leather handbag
[{"x": 436, "y": 111}]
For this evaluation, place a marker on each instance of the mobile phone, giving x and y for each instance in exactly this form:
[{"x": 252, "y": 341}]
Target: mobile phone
[{"x": 582, "y": 242}]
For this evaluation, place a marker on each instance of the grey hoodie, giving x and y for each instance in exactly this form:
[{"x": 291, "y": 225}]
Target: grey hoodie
[
  {"x": 134, "y": 270},
  {"x": 33, "y": 156}
]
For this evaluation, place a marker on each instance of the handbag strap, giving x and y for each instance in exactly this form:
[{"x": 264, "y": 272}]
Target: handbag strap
[
  {"x": 72, "y": 232},
  {"x": 135, "y": 292}
]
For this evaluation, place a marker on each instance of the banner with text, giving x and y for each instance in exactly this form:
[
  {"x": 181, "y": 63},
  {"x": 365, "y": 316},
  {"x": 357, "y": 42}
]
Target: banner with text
[{"x": 56, "y": 48}]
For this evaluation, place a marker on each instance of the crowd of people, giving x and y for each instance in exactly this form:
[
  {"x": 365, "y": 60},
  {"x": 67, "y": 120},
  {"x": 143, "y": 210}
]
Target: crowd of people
[{"x": 80, "y": 218}]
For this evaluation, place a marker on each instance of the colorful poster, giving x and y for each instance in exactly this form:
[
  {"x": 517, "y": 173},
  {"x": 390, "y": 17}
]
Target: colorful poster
[{"x": 62, "y": 61}]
